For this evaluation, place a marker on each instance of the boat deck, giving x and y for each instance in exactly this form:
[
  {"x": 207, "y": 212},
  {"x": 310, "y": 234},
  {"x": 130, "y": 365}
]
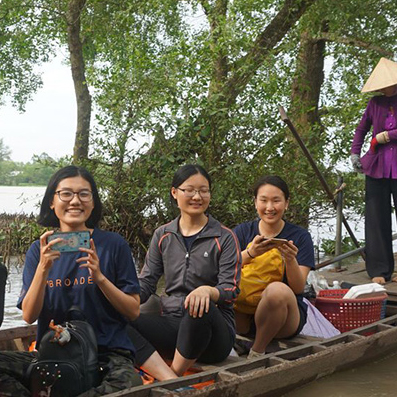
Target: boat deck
[{"x": 356, "y": 274}]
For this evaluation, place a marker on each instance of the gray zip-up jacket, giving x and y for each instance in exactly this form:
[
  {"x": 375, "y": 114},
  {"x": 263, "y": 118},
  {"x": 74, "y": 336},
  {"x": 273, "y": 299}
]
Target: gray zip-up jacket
[{"x": 214, "y": 259}]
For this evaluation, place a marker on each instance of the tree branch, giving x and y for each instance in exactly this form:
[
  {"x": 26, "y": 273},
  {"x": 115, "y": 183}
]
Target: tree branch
[
  {"x": 246, "y": 66},
  {"x": 355, "y": 42}
]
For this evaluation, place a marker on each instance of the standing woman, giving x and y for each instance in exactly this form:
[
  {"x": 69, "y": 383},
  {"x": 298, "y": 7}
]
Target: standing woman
[
  {"x": 100, "y": 280},
  {"x": 200, "y": 261},
  {"x": 278, "y": 311},
  {"x": 379, "y": 165}
]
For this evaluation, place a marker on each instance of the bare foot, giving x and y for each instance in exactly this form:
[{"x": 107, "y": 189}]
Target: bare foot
[
  {"x": 380, "y": 280},
  {"x": 394, "y": 279}
]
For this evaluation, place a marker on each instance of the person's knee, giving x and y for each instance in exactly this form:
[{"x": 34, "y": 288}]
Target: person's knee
[
  {"x": 206, "y": 317},
  {"x": 196, "y": 323},
  {"x": 275, "y": 296}
]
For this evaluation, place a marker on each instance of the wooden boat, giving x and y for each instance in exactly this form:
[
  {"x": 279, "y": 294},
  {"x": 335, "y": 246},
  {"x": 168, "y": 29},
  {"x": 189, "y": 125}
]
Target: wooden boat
[
  {"x": 17, "y": 339},
  {"x": 296, "y": 362}
]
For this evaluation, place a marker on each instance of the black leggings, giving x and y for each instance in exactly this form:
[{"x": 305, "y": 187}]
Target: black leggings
[{"x": 207, "y": 338}]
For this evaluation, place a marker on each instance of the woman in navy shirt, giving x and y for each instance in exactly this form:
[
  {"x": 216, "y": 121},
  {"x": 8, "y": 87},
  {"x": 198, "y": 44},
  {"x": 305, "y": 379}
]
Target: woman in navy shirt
[
  {"x": 101, "y": 280},
  {"x": 281, "y": 312}
]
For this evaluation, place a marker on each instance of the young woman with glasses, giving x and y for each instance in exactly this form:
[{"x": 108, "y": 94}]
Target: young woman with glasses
[
  {"x": 100, "y": 280},
  {"x": 200, "y": 261}
]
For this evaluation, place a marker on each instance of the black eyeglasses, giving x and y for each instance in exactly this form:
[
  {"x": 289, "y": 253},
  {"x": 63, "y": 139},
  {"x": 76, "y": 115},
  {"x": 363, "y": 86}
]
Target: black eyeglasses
[
  {"x": 67, "y": 195},
  {"x": 190, "y": 192}
]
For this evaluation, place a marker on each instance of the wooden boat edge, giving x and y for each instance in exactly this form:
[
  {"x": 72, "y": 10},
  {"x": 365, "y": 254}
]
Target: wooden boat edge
[
  {"x": 274, "y": 374},
  {"x": 18, "y": 338}
]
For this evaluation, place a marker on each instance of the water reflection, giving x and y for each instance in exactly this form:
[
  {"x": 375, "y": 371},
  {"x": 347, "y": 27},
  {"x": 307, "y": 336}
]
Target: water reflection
[
  {"x": 375, "y": 379},
  {"x": 12, "y": 315}
]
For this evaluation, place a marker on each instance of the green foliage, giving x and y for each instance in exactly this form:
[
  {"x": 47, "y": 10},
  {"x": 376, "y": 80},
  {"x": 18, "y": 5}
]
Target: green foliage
[
  {"x": 34, "y": 173},
  {"x": 162, "y": 105},
  {"x": 4, "y": 151},
  {"x": 26, "y": 41},
  {"x": 328, "y": 246},
  {"x": 201, "y": 81},
  {"x": 8, "y": 169},
  {"x": 16, "y": 235}
]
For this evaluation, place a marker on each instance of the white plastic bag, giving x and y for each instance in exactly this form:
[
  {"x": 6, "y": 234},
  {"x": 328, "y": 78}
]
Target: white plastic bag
[{"x": 317, "y": 280}]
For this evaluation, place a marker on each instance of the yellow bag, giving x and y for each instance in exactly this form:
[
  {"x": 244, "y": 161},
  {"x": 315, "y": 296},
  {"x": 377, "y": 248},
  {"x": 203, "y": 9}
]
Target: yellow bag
[{"x": 256, "y": 276}]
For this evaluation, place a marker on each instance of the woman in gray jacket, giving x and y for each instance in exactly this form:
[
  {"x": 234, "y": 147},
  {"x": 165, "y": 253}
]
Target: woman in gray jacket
[{"x": 200, "y": 260}]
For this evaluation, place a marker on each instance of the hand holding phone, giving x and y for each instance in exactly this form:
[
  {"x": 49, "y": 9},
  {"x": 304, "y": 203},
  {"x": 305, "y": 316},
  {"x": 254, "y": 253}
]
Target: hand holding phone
[{"x": 71, "y": 241}]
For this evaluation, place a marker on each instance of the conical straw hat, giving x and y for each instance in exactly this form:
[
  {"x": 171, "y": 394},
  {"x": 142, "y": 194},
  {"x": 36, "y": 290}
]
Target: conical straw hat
[{"x": 384, "y": 75}]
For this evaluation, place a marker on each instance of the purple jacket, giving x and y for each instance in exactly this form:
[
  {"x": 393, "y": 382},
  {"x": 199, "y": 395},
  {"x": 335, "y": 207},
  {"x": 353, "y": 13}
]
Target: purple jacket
[{"x": 381, "y": 114}]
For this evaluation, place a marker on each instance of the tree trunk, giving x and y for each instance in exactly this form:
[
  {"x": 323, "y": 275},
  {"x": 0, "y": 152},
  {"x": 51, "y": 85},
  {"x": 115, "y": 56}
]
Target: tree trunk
[
  {"x": 83, "y": 98},
  {"x": 307, "y": 83},
  {"x": 228, "y": 78},
  {"x": 216, "y": 100},
  {"x": 304, "y": 113}
]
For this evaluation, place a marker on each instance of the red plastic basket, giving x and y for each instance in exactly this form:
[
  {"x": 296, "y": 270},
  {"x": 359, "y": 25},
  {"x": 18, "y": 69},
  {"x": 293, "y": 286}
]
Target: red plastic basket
[{"x": 347, "y": 314}]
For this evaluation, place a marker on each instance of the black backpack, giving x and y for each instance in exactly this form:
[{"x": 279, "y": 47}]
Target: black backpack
[{"x": 66, "y": 370}]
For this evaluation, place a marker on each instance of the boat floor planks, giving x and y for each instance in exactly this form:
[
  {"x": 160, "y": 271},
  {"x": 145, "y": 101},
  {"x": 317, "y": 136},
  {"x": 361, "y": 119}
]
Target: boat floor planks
[{"x": 355, "y": 273}]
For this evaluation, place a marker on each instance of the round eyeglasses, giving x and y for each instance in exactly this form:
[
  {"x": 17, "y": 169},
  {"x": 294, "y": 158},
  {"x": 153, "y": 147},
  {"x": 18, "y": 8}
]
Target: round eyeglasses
[
  {"x": 67, "y": 195},
  {"x": 190, "y": 192}
]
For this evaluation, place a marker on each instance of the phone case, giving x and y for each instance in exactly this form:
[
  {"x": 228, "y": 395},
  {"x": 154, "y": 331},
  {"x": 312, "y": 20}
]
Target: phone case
[{"x": 72, "y": 241}]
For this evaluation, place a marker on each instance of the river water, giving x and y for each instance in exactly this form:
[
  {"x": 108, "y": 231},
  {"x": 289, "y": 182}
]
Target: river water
[
  {"x": 376, "y": 379},
  {"x": 372, "y": 380},
  {"x": 12, "y": 315},
  {"x": 17, "y": 200}
]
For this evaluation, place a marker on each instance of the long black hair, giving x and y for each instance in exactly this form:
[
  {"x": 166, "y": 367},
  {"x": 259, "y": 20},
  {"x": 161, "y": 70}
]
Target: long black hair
[{"x": 47, "y": 215}]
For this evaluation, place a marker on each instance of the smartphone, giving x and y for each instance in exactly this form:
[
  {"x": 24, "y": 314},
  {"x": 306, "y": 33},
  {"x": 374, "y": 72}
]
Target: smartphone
[
  {"x": 277, "y": 241},
  {"x": 72, "y": 241}
]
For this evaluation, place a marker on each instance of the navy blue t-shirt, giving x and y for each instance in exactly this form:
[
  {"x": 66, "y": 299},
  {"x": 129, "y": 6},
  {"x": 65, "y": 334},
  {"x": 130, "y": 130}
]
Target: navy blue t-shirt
[
  {"x": 248, "y": 230},
  {"x": 69, "y": 285}
]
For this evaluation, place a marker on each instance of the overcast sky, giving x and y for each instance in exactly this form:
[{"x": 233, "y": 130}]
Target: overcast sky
[{"x": 49, "y": 122}]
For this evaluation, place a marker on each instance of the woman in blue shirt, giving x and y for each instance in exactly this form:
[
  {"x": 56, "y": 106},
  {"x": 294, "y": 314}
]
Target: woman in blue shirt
[
  {"x": 280, "y": 312},
  {"x": 101, "y": 280}
]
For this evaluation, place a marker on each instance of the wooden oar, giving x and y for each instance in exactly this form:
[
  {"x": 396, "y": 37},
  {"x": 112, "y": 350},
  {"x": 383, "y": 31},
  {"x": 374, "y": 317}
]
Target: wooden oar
[{"x": 320, "y": 176}]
